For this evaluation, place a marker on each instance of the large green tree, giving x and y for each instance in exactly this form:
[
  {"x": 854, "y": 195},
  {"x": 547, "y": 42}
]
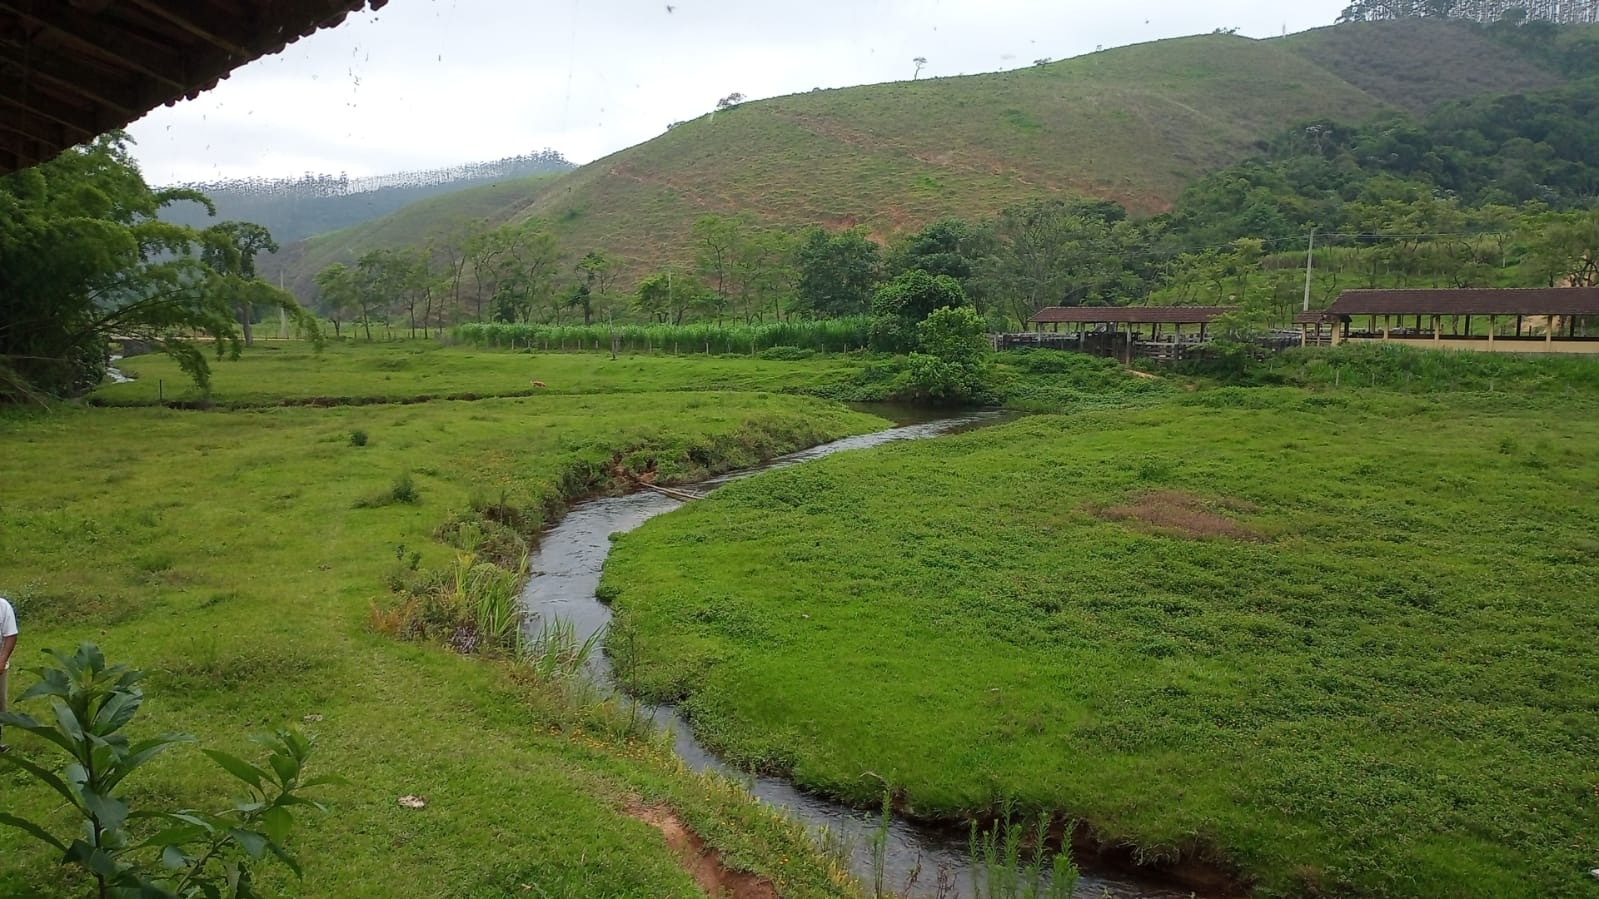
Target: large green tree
[
  {"x": 85, "y": 260},
  {"x": 836, "y": 272}
]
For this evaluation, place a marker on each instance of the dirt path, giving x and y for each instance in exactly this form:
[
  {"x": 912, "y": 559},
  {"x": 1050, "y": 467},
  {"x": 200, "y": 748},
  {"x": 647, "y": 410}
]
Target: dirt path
[{"x": 700, "y": 860}]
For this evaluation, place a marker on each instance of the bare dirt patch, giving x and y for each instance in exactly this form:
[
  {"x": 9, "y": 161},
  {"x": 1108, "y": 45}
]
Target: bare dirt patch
[
  {"x": 1186, "y": 515},
  {"x": 702, "y": 862}
]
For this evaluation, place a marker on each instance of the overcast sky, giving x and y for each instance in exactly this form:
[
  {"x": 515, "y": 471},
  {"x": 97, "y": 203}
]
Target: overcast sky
[{"x": 427, "y": 83}]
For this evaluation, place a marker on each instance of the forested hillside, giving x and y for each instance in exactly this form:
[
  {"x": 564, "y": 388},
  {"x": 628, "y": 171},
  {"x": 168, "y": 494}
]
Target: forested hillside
[{"x": 296, "y": 208}]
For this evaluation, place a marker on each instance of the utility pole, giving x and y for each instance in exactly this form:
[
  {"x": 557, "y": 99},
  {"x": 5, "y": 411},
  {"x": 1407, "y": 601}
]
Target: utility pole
[{"x": 1310, "y": 262}]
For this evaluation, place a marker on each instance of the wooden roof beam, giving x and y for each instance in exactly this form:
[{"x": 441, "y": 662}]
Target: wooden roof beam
[
  {"x": 22, "y": 151},
  {"x": 105, "y": 41},
  {"x": 39, "y": 131},
  {"x": 75, "y": 81},
  {"x": 16, "y": 105},
  {"x": 204, "y": 26},
  {"x": 20, "y": 120}
]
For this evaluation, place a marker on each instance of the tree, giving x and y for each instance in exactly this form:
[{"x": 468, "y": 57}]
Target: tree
[
  {"x": 718, "y": 242},
  {"x": 945, "y": 247},
  {"x": 1236, "y": 335},
  {"x": 730, "y": 101},
  {"x": 667, "y": 297},
  {"x": 453, "y": 249},
  {"x": 763, "y": 273},
  {"x": 336, "y": 292},
  {"x": 951, "y": 363},
  {"x": 1058, "y": 253},
  {"x": 519, "y": 261},
  {"x": 899, "y": 306},
  {"x": 231, "y": 248},
  {"x": 85, "y": 259},
  {"x": 1566, "y": 250},
  {"x": 836, "y": 272},
  {"x": 598, "y": 272},
  {"x": 921, "y": 63}
]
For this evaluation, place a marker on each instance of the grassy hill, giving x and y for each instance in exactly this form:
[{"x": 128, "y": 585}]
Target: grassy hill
[
  {"x": 411, "y": 226},
  {"x": 1134, "y": 125},
  {"x": 1442, "y": 60}
]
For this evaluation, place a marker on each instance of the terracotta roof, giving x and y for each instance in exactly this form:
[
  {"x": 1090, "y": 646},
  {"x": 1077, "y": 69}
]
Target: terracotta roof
[
  {"x": 71, "y": 70},
  {"x": 1527, "y": 301},
  {"x": 1138, "y": 315}
]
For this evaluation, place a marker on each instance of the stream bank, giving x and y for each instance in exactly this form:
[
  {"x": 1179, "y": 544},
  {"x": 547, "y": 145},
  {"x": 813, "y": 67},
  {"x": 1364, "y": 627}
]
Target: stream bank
[{"x": 923, "y": 858}]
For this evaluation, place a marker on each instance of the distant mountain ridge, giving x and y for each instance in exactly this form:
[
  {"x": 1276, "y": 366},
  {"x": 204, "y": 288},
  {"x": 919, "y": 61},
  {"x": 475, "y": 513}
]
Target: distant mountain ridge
[
  {"x": 296, "y": 208},
  {"x": 1135, "y": 125}
]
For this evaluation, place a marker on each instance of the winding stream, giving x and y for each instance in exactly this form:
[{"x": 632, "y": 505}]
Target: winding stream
[{"x": 566, "y": 571}]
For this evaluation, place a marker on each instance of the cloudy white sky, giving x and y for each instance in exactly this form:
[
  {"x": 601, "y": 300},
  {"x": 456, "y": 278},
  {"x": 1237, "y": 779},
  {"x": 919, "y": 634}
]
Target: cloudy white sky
[{"x": 427, "y": 83}]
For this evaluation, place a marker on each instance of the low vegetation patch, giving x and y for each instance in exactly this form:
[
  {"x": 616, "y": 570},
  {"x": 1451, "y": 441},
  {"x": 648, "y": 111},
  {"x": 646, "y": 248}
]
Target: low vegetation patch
[{"x": 1184, "y": 514}]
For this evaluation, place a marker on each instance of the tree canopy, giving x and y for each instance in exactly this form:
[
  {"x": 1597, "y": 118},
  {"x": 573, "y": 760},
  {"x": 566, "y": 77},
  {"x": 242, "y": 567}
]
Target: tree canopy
[{"x": 84, "y": 260}]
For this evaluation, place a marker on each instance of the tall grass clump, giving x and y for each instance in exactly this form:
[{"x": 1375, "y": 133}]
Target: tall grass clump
[
  {"x": 556, "y": 654},
  {"x": 473, "y": 607},
  {"x": 998, "y": 870},
  {"x": 837, "y": 335}
]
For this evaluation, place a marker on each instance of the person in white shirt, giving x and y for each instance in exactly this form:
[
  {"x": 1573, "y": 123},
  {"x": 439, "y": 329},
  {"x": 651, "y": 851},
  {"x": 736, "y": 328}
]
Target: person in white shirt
[{"x": 8, "y": 642}]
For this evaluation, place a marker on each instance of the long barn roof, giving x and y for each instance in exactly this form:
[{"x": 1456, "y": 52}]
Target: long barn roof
[
  {"x": 1522, "y": 301},
  {"x": 1138, "y": 315},
  {"x": 71, "y": 70}
]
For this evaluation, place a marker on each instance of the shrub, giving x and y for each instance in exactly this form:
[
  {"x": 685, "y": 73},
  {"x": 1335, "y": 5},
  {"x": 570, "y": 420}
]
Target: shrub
[
  {"x": 358, "y": 438},
  {"x": 787, "y": 353},
  {"x": 403, "y": 492}
]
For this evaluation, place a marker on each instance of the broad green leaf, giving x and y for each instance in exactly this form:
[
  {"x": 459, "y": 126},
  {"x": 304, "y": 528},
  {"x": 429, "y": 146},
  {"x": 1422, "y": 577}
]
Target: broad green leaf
[
  {"x": 38, "y": 729},
  {"x": 67, "y": 720},
  {"x": 145, "y": 750},
  {"x": 32, "y": 829},
  {"x": 117, "y": 712},
  {"x": 238, "y": 767},
  {"x": 176, "y": 836},
  {"x": 284, "y": 856},
  {"x": 174, "y": 857},
  {"x": 42, "y": 775},
  {"x": 254, "y": 844},
  {"x": 110, "y": 811},
  {"x": 276, "y": 823},
  {"x": 287, "y": 769}
]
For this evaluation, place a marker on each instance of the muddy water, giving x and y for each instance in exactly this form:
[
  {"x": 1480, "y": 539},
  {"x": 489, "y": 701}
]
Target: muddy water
[{"x": 566, "y": 571}]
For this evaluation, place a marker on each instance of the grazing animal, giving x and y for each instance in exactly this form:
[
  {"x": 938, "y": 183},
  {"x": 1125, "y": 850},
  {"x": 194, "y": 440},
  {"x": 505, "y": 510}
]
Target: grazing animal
[{"x": 540, "y": 384}]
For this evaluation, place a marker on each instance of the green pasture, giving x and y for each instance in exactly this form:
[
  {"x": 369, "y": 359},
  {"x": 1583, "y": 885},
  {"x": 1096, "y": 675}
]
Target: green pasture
[
  {"x": 224, "y": 552},
  {"x": 274, "y": 372},
  {"x": 1336, "y": 643}
]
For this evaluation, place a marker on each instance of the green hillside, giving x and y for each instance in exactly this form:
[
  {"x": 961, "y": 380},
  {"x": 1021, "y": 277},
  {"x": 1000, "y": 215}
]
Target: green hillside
[
  {"x": 411, "y": 226},
  {"x": 1134, "y": 125},
  {"x": 1416, "y": 64}
]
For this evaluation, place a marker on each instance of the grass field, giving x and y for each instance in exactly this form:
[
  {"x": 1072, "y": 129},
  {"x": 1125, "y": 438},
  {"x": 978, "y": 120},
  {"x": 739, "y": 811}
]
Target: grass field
[
  {"x": 291, "y": 371},
  {"x": 1338, "y": 643},
  {"x": 225, "y": 552}
]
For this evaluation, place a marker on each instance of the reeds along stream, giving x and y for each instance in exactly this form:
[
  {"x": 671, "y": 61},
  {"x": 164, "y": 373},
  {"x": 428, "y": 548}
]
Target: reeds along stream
[{"x": 889, "y": 855}]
